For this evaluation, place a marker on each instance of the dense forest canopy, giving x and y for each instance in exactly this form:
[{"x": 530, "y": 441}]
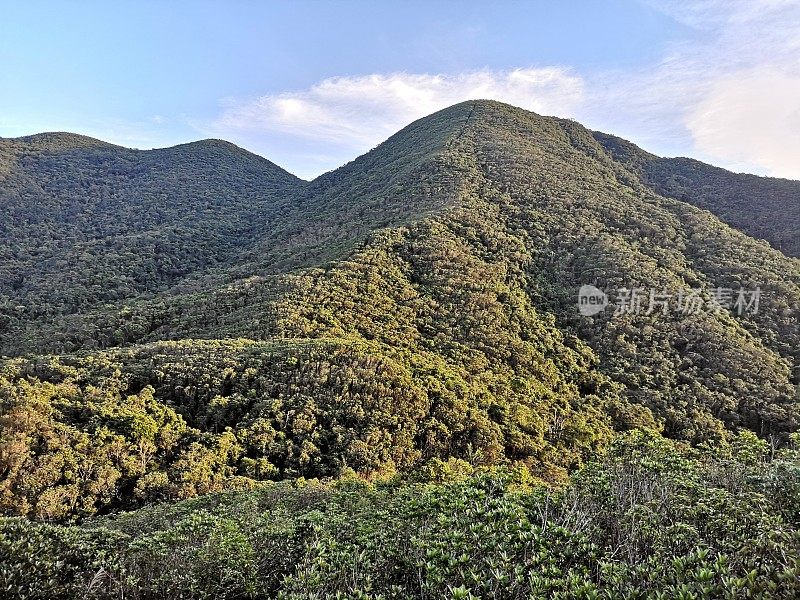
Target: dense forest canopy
[
  {"x": 762, "y": 207},
  {"x": 195, "y": 320}
]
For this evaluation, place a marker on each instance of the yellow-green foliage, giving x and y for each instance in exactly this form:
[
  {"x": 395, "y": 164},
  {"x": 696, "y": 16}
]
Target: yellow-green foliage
[
  {"x": 649, "y": 520},
  {"x": 197, "y": 336},
  {"x": 173, "y": 420}
]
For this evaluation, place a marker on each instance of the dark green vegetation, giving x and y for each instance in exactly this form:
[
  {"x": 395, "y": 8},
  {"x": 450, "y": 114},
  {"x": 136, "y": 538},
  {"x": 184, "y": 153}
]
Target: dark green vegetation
[
  {"x": 85, "y": 222},
  {"x": 649, "y": 520},
  {"x": 762, "y": 207},
  {"x": 193, "y": 320}
]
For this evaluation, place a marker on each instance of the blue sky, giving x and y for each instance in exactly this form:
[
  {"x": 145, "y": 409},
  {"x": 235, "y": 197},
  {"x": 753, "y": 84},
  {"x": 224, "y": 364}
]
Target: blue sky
[{"x": 311, "y": 85}]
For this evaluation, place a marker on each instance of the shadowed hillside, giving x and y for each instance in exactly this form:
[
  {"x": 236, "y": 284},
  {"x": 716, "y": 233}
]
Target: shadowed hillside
[
  {"x": 85, "y": 222},
  {"x": 762, "y": 207}
]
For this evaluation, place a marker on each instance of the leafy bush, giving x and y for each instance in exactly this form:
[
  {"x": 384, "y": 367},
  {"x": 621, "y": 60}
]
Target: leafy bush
[{"x": 644, "y": 521}]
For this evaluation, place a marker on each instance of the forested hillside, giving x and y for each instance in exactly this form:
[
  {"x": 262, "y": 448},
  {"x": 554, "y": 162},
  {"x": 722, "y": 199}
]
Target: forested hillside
[
  {"x": 86, "y": 223},
  {"x": 763, "y": 207},
  {"x": 192, "y": 320}
]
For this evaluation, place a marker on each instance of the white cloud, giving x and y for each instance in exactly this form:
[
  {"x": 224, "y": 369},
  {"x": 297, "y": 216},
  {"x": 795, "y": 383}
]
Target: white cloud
[
  {"x": 359, "y": 112},
  {"x": 725, "y": 92},
  {"x": 751, "y": 118},
  {"x": 734, "y": 87}
]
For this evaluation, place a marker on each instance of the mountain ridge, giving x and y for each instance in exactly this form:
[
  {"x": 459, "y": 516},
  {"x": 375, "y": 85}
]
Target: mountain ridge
[
  {"x": 417, "y": 304},
  {"x": 606, "y": 139},
  {"x": 745, "y": 201}
]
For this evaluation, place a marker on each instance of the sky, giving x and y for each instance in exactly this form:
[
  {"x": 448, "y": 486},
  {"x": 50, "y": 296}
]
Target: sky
[{"x": 311, "y": 85}]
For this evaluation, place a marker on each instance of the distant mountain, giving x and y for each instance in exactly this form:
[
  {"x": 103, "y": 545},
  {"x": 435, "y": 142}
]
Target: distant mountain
[
  {"x": 762, "y": 207},
  {"x": 84, "y": 222},
  {"x": 419, "y": 303}
]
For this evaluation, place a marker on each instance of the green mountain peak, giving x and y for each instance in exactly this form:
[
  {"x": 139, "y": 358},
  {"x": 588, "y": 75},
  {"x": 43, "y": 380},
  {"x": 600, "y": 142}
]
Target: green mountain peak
[{"x": 419, "y": 303}]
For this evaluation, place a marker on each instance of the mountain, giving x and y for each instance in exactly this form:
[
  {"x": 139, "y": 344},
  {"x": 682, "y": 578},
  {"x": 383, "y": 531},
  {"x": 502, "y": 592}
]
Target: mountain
[
  {"x": 86, "y": 223},
  {"x": 220, "y": 381},
  {"x": 762, "y": 207},
  {"x": 190, "y": 319}
]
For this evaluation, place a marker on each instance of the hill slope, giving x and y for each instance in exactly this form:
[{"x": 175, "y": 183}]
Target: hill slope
[
  {"x": 85, "y": 222},
  {"x": 762, "y": 207},
  {"x": 419, "y": 303}
]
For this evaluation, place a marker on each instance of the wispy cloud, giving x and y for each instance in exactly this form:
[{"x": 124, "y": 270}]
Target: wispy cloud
[
  {"x": 359, "y": 112},
  {"x": 733, "y": 88},
  {"x": 728, "y": 93},
  {"x": 751, "y": 118}
]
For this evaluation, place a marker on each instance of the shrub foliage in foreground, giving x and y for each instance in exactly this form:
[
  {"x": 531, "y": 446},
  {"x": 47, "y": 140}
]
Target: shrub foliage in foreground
[{"x": 650, "y": 520}]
